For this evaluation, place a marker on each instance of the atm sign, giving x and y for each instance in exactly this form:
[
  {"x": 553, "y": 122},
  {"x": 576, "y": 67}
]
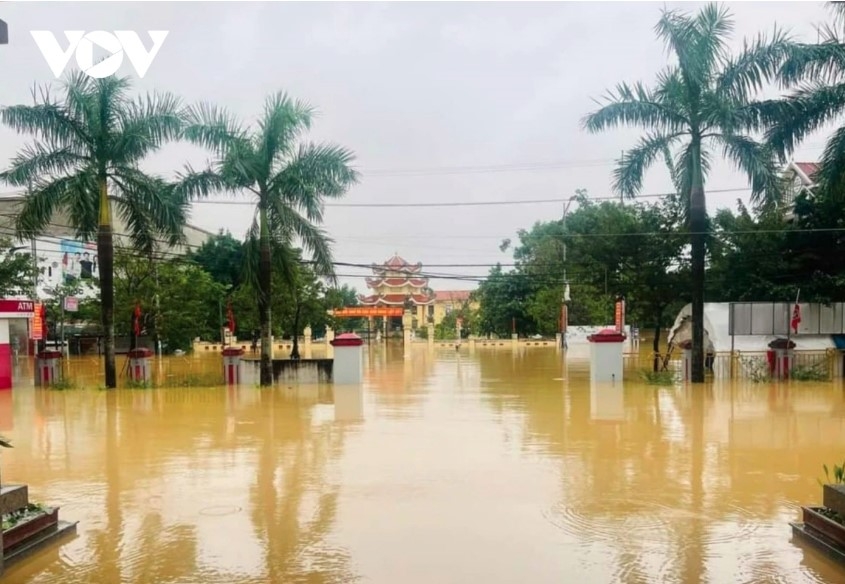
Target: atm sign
[{"x": 22, "y": 307}]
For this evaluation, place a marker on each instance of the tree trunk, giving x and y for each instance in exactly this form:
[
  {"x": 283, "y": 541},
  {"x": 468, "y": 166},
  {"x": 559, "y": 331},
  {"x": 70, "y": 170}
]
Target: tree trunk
[
  {"x": 698, "y": 225},
  {"x": 105, "y": 249},
  {"x": 655, "y": 346},
  {"x": 294, "y": 354},
  {"x": 265, "y": 272}
]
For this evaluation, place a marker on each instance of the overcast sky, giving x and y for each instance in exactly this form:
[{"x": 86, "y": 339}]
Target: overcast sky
[{"x": 440, "y": 101}]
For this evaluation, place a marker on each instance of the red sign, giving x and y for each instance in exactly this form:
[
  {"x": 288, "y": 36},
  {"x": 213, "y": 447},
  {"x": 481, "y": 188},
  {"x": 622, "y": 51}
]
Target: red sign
[
  {"x": 22, "y": 307},
  {"x": 367, "y": 311},
  {"x": 37, "y": 330},
  {"x": 620, "y": 316}
]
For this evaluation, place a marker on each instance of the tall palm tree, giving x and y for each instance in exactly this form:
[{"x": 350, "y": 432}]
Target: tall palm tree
[
  {"x": 702, "y": 101},
  {"x": 816, "y": 72},
  {"x": 289, "y": 179},
  {"x": 84, "y": 160}
]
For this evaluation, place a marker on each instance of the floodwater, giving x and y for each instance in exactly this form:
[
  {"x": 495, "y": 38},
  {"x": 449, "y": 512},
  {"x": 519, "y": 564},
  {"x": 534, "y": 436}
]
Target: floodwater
[{"x": 495, "y": 467}]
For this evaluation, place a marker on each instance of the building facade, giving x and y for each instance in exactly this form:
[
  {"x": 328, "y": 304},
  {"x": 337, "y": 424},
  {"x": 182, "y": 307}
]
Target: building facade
[
  {"x": 398, "y": 283},
  {"x": 64, "y": 258}
]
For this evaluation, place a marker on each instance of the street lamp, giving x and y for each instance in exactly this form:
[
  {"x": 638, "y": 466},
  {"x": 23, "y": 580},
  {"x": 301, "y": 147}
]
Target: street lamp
[{"x": 4, "y": 33}]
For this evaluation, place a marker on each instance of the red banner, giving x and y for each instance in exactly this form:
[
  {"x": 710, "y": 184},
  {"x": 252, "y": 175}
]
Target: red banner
[
  {"x": 37, "y": 330},
  {"x": 367, "y": 311},
  {"x": 620, "y": 316}
]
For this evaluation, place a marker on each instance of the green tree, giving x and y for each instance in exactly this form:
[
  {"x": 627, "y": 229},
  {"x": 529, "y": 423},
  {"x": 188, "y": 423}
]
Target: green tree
[
  {"x": 178, "y": 299},
  {"x": 16, "y": 271},
  {"x": 503, "y": 297},
  {"x": 817, "y": 74},
  {"x": 702, "y": 101},
  {"x": 85, "y": 159},
  {"x": 290, "y": 180},
  {"x": 222, "y": 256}
]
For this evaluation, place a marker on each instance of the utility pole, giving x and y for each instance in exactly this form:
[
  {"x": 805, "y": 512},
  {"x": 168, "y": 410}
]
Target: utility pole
[{"x": 564, "y": 310}]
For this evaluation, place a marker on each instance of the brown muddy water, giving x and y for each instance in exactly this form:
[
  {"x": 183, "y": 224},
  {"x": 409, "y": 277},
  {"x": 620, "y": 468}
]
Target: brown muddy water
[{"x": 494, "y": 467}]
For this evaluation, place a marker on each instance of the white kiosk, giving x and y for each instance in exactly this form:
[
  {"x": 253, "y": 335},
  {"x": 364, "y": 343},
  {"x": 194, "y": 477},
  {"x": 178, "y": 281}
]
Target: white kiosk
[{"x": 10, "y": 309}]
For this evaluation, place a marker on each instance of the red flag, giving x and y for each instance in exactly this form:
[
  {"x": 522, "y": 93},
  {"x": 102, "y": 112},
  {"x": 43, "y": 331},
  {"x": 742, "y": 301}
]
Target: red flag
[
  {"x": 136, "y": 321},
  {"x": 796, "y": 318},
  {"x": 231, "y": 317}
]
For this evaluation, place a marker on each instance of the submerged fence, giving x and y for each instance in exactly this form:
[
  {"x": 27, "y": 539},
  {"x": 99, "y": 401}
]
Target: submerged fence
[{"x": 829, "y": 363}]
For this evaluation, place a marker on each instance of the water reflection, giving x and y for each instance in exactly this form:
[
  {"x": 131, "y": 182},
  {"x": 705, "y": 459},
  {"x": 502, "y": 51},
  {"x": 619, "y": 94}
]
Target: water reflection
[{"x": 498, "y": 466}]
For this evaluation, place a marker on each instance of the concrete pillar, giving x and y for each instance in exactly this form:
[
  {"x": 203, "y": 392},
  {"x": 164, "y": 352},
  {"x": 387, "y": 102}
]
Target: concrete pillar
[
  {"x": 430, "y": 329},
  {"x": 606, "y": 364},
  {"x": 514, "y": 340},
  {"x": 784, "y": 359},
  {"x": 140, "y": 365},
  {"x": 232, "y": 365},
  {"x": 347, "y": 368},
  {"x": 306, "y": 341},
  {"x": 48, "y": 368},
  {"x": 686, "y": 363},
  {"x": 407, "y": 319},
  {"x": 329, "y": 339}
]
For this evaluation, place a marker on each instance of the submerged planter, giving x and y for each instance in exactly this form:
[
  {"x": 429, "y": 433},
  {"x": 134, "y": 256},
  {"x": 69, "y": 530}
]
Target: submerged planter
[
  {"x": 815, "y": 519},
  {"x": 32, "y": 525}
]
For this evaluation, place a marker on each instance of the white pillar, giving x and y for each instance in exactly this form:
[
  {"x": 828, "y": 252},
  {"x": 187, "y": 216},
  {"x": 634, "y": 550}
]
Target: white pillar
[
  {"x": 347, "y": 368},
  {"x": 606, "y": 364}
]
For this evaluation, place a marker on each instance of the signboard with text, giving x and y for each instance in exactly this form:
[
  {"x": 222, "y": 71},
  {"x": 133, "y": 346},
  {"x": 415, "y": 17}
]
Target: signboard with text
[
  {"x": 37, "y": 330},
  {"x": 16, "y": 308},
  {"x": 620, "y": 315},
  {"x": 367, "y": 311},
  {"x": 71, "y": 304}
]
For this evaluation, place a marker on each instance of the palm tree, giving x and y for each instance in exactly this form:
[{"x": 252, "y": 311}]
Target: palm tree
[
  {"x": 289, "y": 181},
  {"x": 701, "y": 101},
  {"x": 85, "y": 159},
  {"x": 817, "y": 72}
]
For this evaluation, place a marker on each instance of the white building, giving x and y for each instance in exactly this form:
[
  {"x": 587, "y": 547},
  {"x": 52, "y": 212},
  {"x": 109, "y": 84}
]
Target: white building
[{"x": 63, "y": 257}]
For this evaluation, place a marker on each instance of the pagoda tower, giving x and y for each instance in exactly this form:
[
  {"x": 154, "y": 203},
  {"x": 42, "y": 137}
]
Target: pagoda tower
[{"x": 398, "y": 283}]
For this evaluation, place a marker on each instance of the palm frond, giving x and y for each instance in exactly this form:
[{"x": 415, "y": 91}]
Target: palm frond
[
  {"x": 633, "y": 106},
  {"x": 758, "y": 63},
  {"x": 213, "y": 128},
  {"x": 151, "y": 209},
  {"x": 145, "y": 125},
  {"x": 45, "y": 197},
  {"x": 48, "y": 121},
  {"x": 831, "y": 175},
  {"x": 193, "y": 184},
  {"x": 284, "y": 121},
  {"x": 805, "y": 111},
  {"x": 824, "y": 61},
  {"x": 38, "y": 160},
  {"x": 628, "y": 175},
  {"x": 758, "y": 163},
  {"x": 315, "y": 172},
  {"x": 286, "y": 223}
]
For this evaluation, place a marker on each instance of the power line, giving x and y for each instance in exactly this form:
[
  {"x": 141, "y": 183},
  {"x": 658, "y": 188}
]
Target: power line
[{"x": 471, "y": 203}]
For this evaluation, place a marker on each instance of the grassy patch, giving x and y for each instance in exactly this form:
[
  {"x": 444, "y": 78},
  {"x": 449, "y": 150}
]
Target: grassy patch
[{"x": 657, "y": 377}]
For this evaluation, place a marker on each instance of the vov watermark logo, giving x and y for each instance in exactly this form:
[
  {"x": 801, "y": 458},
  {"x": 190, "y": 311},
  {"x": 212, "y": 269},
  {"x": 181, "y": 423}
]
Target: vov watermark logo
[{"x": 82, "y": 44}]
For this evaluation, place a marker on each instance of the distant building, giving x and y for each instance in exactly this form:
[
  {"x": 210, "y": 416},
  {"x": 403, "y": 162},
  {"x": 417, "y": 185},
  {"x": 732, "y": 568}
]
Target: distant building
[
  {"x": 399, "y": 283},
  {"x": 799, "y": 177},
  {"x": 63, "y": 257}
]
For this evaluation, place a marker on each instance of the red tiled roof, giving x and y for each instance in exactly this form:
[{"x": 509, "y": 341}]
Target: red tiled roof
[
  {"x": 397, "y": 264},
  {"x": 395, "y": 299},
  {"x": 394, "y": 282},
  {"x": 808, "y": 168},
  {"x": 452, "y": 295}
]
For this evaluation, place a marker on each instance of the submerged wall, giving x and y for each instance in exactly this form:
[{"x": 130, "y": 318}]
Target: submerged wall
[{"x": 305, "y": 371}]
